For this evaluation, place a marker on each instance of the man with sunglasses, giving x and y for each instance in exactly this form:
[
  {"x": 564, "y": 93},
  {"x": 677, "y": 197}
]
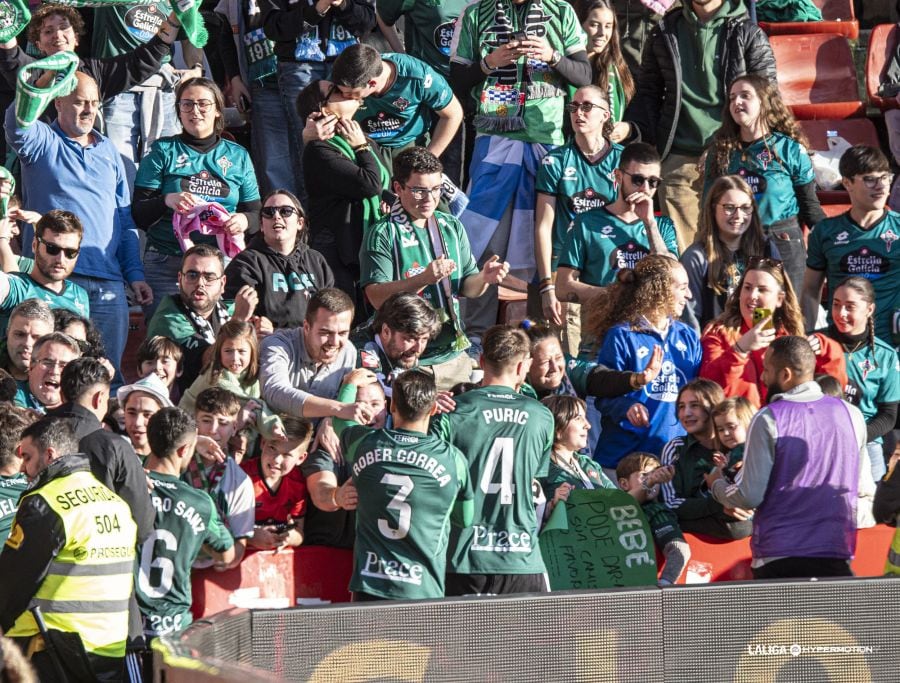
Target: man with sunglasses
[
  {"x": 424, "y": 251},
  {"x": 56, "y": 244},
  {"x": 604, "y": 240},
  {"x": 192, "y": 318}
]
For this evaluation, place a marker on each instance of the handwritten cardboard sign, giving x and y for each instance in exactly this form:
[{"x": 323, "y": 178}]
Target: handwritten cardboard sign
[{"x": 598, "y": 539}]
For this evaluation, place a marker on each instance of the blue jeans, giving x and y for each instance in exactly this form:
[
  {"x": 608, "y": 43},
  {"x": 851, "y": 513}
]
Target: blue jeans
[
  {"x": 122, "y": 116},
  {"x": 269, "y": 130},
  {"x": 161, "y": 273},
  {"x": 292, "y": 78},
  {"x": 876, "y": 460},
  {"x": 109, "y": 313}
]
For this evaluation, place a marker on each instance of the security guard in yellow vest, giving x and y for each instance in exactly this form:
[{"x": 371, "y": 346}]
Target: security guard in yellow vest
[{"x": 71, "y": 552}]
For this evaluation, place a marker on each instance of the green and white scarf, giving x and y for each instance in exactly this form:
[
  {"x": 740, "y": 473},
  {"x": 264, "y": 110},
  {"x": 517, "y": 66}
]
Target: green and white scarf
[
  {"x": 32, "y": 100},
  {"x": 371, "y": 205},
  {"x": 502, "y": 102},
  {"x": 4, "y": 201},
  {"x": 187, "y": 11},
  {"x": 14, "y": 17}
]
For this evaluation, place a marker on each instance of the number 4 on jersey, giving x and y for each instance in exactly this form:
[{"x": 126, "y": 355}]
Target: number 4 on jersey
[{"x": 504, "y": 451}]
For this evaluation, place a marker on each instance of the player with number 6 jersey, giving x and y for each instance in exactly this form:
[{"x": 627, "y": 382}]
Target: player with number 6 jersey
[
  {"x": 507, "y": 439},
  {"x": 409, "y": 485},
  {"x": 186, "y": 521}
]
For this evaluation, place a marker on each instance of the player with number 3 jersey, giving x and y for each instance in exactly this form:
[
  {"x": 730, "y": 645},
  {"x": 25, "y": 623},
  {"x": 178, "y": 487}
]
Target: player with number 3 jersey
[
  {"x": 186, "y": 521},
  {"x": 507, "y": 439},
  {"x": 408, "y": 484}
]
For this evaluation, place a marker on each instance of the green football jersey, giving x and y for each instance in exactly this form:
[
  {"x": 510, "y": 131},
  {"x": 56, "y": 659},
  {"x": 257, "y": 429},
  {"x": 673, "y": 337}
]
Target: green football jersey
[
  {"x": 22, "y": 287},
  {"x": 186, "y": 518},
  {"x": 506, "y": 438},
  {"x": 841, "y": 248},
  {"x": 11, "y": 489},
  {"x": 874, "y": 377},
  {"x": 407, "y": 484},
  {"x": 428, "y": 28},
  {"x": 122, "y": 28},
  {"x": 397, "y": 250},
  {"x": 599, "y": 244},
  {"x": 578, "y": 186}
]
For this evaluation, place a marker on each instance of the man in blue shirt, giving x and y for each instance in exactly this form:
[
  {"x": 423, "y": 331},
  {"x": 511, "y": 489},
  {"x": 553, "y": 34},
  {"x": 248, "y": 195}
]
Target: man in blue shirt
[{"x": 68, "y": 165}]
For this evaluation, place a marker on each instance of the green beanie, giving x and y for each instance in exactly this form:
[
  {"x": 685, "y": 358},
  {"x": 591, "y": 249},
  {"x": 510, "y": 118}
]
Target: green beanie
[{"x": 31, "y": 100}]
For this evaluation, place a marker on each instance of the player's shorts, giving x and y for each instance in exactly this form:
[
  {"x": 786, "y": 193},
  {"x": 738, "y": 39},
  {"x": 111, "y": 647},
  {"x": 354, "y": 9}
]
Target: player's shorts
[{"x": 495, "y": 584}]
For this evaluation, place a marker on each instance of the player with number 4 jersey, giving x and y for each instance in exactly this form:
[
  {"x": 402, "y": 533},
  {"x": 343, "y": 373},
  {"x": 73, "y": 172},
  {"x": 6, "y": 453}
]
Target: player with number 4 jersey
[
  {"x": 408, "y": 485},
  {"x": 507, "y": 439},
  {"x": 186, "y": 521}
]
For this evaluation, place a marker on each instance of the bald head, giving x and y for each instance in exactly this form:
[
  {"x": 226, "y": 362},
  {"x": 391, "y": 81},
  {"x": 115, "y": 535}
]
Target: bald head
[{"x": 77, "y": 111}]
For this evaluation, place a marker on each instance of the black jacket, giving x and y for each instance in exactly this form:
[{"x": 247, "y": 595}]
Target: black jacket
[
  {"x": 284, "y": 283},
  {"x": 114, "y": 462},
  {"x": 657, "y": 103},
  {"x": 284, "y": 22}
]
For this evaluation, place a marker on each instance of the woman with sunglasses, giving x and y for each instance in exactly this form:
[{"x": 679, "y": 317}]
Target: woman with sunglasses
[
  {"x": 761, "y": 141},
  {"x": 345, "y": 180},
  {"x": 762, "y": 307},
  {"x": 279, "y": 265},
  {"x": 196, "y": 167},
  {"x": 572, "y": 179},
  {"x": 729, "y": 234}
]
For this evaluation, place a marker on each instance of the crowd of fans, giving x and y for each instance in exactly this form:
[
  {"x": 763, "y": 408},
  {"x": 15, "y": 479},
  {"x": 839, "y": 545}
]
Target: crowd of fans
[{"x": 322, "y": 363}]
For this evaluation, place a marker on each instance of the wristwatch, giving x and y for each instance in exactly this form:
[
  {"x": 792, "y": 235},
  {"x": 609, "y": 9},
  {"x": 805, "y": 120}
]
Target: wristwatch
[{"x": 555, "y": 58}]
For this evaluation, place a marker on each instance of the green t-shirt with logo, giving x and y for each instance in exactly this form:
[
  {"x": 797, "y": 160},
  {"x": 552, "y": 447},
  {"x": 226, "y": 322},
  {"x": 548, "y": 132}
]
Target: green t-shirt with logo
[
  {"x": 773, "y": 167},
  {"x": 578, "y": 186},
  {"x": 506, "y": 438},
  {"x": 123, "y": 28},
  {"x": 874, "y": 377},
  {"x": 600, "y": 243},
  {"x": 428, "y": 28},
  {"x": 407, "y": 484},
  {"x": 394, "y": 249},
  {"x": 403, "y": 115},
  {"x": 22, "y": 287},
  {"x": 186, "y": 518},
  {"x": 11, "y": 489},
  {"x": 477, "y": 36},
  {"x": 842, "y": 248},
  {"x": 224, "y": 175}
]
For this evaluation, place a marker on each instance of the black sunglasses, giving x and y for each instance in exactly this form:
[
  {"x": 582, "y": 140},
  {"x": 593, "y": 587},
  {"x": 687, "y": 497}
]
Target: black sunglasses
[
  {"x": 54, "y": 249},
  {"x": 639, "y": 179},
  {"x": 283, "y": 211}
]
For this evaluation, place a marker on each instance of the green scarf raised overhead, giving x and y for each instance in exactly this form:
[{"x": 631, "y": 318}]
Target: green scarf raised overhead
[
  {"x": 187, "y": 11},
  {"x": 32, "y": 100},
  {"x": 371, "y": 205},
  {"x": 14, "y": 16},
  {"x": 6, "y": 176},
  {"x": 502, "y": 102}
]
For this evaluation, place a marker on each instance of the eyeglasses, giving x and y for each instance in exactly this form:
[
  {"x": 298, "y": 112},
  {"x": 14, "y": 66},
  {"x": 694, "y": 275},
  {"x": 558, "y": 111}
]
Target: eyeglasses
[
  {"x": 283, "y": 211},
  {"x": 757, "y": 262},
  {"x": 54, "y": 249},
  {"x": 731, "y": 209},
  {"x": 585, "y": 107},
  {"x": 187, "y": 106},
  {"x": 422, "y": 192},
  {"x": 873, "y": 181},
  {"x": 49, "y": 364},
  {"x": 639, "y": 179},
  {"x": 194, "y": 276}
]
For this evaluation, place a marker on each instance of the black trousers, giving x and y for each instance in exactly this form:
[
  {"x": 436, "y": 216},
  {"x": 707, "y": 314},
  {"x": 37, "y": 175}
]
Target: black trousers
[{"x": 803, "y": 568}]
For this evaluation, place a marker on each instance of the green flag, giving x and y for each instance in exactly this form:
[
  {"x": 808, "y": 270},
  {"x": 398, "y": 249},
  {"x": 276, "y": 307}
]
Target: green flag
[{"x": 598, "y": 539}]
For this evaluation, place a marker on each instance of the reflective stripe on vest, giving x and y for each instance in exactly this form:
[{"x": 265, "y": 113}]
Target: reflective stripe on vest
[
  {"x": 89, "y": 582},
  {"x": 892, "y": 566}
]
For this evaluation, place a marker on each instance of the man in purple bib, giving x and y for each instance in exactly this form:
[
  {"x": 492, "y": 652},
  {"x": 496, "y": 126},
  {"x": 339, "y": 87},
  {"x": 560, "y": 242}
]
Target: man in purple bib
[{"x": 804, "y": 470}]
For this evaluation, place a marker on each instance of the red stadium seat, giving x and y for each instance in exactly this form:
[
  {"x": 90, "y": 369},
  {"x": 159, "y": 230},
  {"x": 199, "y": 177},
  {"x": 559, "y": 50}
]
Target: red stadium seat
[
  {"x": 854, "y": 131},
  {"x": 838, "y": 17},
  {"x": 882, "y": 43},
  {"x": 817, "y": 77}
]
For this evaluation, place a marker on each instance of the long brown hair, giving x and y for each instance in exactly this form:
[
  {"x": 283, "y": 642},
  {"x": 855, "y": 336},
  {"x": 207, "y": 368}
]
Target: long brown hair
[
  {"x": 866, "y": 291},
  {"x": 787, "y": 317},
  {"x": 611, "y": 54},
  {"x": 235, "y": 329},
  {"x": 633, "y": 294},
  {"x": 772, "y": 110},
  {"x": 722, "y": 262}
]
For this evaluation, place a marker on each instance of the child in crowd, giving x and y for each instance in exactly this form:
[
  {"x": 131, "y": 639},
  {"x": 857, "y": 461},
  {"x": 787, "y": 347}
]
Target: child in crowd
[
  {"x": 569, "y": 468},
  {"x": 732, "y": 419},
  {"x": 141, "y": 401},
  {"x": 161, "y": 356},
  {"x": 640, "y": 474},
  {"x": 692, "y": 456},
  {"x": 215, "y": 411},
  {"x": 279, "y": 487},
  {"x": 830, "y": 385},
  {"x": 234, "y": 366}
]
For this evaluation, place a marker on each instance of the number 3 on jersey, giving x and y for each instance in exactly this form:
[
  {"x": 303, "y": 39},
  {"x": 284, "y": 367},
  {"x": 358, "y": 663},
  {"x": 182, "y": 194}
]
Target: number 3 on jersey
[
  {"x": 504, "y": 451},
  {"x": 398, "y": 503}
]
